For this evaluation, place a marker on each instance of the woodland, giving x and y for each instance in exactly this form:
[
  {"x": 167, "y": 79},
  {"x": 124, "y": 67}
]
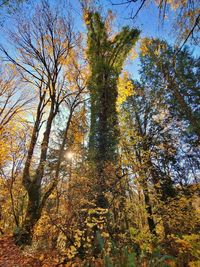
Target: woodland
[{"x": 99, "y": 133}]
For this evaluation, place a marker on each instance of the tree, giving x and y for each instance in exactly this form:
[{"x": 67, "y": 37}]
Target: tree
[
  {"x": 14, "y": 104},
  {"x": 13, "y": 199},
  {"x": 13, "y": 100},
  {"x": 44, "y": 45},
  {"x": 106, "y": 58},
  {"x": 141, "y": 147},
  {"x": 179, "y": 76},
  {"x": 152, "y": 145}
]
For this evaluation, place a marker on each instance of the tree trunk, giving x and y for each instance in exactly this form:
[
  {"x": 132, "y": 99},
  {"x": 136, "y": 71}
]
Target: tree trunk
[
  {"x": 24, "y": 234},
  {"x": 33, "y": 212},
  {"x": 150, "y": 220}
]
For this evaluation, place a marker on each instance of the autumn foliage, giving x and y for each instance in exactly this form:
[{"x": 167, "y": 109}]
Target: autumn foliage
[{"x": 98, "y": 168}]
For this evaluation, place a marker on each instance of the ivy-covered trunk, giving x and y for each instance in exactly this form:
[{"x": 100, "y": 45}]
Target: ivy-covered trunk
[
  {"x": 106, "y": 59},
  {"x": 104, "y": 132}
]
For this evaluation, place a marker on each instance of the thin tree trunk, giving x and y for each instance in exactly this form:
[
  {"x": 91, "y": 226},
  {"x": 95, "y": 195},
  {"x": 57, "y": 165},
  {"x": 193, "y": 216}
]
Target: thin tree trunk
[{"x": 150, "y": 220}]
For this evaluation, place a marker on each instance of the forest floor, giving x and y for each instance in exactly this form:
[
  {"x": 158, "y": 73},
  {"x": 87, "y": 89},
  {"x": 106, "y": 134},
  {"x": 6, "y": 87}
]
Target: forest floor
[{"x": 13, "y": 256}]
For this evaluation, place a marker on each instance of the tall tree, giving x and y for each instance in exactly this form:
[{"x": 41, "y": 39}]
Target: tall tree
[
  {"x": 143, "y": 144},
  {"x": 106, "y": 58},
  {"x": 156, "y": 117},
  {"x": 178, "y": 79},
  {"x": 44, "y": 43}
]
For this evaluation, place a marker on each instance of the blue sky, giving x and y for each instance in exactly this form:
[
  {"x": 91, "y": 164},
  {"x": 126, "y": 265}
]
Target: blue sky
[{"x": 147, "y": 21}]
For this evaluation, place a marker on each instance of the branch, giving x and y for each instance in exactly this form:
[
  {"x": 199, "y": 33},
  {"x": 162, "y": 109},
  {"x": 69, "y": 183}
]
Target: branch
[
  {"x": 140, "y": 7},
  {"x": 189, "y": 34}
]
